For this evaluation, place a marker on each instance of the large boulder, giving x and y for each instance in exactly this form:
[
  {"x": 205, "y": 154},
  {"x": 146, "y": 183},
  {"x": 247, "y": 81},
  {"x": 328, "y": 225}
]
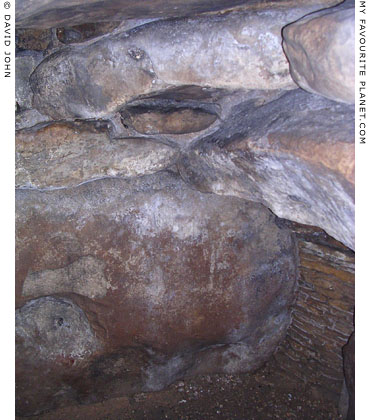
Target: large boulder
[
  {"x": 232, "y": 50},
  {"x": 294, "y": 154},
  {"x": 321, "y": 52},
  {"x": 49, "y": 329},
  {"x": 66, "y": 154},
  {"x": 156, "y": 280}
]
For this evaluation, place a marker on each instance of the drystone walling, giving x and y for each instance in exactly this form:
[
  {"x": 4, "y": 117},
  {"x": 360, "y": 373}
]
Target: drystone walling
[{"x": 154, "y": 153}]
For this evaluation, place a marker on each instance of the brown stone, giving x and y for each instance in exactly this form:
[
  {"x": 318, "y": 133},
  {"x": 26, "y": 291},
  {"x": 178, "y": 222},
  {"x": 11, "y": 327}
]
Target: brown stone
[
  {"x": 172, "y": 282},
  {"x": 172, "y": 121},
  {"x": 320, "y": 266},
  {"x": 33, "y": 39},
  {"x": 84, "y": 32},
  {"x": 312, "y": 350},
  {"x": 328, "y": 255},
  {"x": 331, "y": 288},
  {"x": 67, "y": 154},
  {"x": 294, "y": 153},
  {"x": 50, "y": 329},
  {"x": 321, "y": 51}
]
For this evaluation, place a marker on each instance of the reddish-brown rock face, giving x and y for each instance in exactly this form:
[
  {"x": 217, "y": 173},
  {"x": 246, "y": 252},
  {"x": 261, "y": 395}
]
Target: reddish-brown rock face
[
  {"x": 139, "y": 259},
  {"x": 132, "y": 284}
]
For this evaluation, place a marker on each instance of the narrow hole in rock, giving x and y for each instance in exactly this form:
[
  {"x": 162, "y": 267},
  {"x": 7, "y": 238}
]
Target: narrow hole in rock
[{"x": 167, "y": 120}]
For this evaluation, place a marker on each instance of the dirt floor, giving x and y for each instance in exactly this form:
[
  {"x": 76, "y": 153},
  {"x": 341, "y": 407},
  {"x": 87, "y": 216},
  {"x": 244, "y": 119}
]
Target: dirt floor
[{"x": 264, "y": 395}]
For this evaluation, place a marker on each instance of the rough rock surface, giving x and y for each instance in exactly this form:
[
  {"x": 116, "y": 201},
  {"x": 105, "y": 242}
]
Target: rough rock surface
[
  {"x": 66, "y": 154},
  {"x": 180, "y": 115},
  {"x": 295, "y": 154},
  {"x": 29, "y": 118},
  {"x": 53, "y": 338},
  {"x": 308, "y": 365},
  {"x": 169, "y": 121},
  {"x": 32, "y": 39},
  {"x": 53, "y": 13},
  {"x": 49, "y": 327},
  {"x": 129, "y": 278},
  {"x": 173, "y": 282},
  {"x": 79, "y": 33},
  {"x": 232, "y": 50},
  {"x": 322, "y": 314},
  {"x": 25, "y": 63},
  {"x": 321, "y": 52}
]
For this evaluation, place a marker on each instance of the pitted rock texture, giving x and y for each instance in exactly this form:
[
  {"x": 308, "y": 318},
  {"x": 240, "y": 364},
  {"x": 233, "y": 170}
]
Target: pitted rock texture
[
  {"x": 53, "y": 13},
  {"x": 232, "y": 50},
  {"x": 65, "y": 154},
  {"x": 53, "y": 339},
  {"x": 294, "y": 154},
  {"x": 53, "y": 327},
  {"x": 190, "y": 282},
  {"x": 321, "y": 52}
]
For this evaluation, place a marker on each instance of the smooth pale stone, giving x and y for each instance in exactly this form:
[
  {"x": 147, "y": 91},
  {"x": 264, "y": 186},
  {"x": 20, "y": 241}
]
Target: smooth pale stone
[
  {"x": 233, "y": 51},
  {"x": 321, "y": 52}
]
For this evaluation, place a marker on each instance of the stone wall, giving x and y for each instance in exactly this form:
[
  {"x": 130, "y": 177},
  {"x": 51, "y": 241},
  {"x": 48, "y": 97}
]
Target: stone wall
[
  {"x": 154, "y": 158},
  {"x": 323, "y": 314}
]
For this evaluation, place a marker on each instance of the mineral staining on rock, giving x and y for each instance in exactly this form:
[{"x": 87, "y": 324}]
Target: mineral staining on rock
[
  {"x": 128, "y": 278},
  {"x": 67, "y": 154},
  {"x": 235, "y": 50},
  {"x": 321, "y": 52},
  {"x": 294, "y": 154},
  {"x": 185, "y": 272}
]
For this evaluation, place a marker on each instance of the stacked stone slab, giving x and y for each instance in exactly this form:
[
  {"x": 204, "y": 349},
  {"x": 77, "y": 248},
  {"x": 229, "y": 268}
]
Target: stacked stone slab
[
  {"x": 130, "y": 274},
  {"x": 321, "y": 52}
]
